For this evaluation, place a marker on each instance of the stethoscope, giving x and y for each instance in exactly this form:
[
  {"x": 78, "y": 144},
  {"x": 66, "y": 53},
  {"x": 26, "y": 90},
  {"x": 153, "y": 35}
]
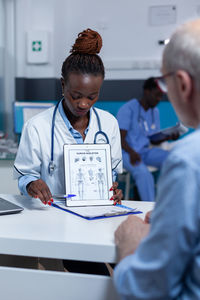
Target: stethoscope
[
  {"x": 141, "y": 120},
  {"x": 52, "y": 165}
]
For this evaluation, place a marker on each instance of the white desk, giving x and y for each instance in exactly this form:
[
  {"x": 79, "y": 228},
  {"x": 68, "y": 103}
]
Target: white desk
[{"x": 44, "y": 231}]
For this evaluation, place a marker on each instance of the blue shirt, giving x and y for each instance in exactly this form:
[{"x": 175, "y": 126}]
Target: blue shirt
[
  {"x": 138, "y": 123},
  {"x": 166, "y": 265},
  {"x": 24, "y": 180}
]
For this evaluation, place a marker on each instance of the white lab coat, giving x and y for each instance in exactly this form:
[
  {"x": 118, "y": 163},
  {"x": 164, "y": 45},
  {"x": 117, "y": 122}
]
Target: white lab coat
[{"x": 34, "y": 153}]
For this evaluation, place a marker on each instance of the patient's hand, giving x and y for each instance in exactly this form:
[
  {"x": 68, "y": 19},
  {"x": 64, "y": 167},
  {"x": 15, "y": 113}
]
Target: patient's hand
[
  {"x": 147, "y": 217},
  {"x": 129, "y": 235}
]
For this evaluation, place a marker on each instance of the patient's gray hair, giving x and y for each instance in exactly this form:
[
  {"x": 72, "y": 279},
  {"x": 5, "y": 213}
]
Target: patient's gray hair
[{"x": 183, "y": 51}]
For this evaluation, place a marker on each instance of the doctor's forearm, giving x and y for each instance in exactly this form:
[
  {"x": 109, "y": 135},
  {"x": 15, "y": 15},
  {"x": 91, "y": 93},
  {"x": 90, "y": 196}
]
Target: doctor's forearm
[{"x": 23, "y": 181}]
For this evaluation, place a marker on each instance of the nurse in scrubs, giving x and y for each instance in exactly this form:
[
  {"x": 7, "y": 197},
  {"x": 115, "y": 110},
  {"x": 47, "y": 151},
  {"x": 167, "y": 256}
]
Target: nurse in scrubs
[
  {"x": 137, "y": 120},
  {"x": 75, "y": 122}
]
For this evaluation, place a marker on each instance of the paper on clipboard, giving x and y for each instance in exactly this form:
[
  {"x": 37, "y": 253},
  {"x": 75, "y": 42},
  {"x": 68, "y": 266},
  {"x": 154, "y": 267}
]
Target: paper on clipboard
[
  {"x": 98, "y": 212},
  {"x": 88, "y": 174}
]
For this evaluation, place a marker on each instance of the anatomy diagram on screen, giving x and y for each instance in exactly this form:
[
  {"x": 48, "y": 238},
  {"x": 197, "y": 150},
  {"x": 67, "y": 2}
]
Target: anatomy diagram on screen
[
  {"x": 80, "y": 183},
  {"x": 88, "y": 175},
  {"x": 91, "y": 174},
  {"x": 101, "y": 183}
]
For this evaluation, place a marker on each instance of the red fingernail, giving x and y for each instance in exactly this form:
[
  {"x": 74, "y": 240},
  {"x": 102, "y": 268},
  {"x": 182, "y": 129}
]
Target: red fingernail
[
  {"x": 35, "y": 196},
  {"x": 111, "y": 189},
  {"x": 115, "y": 203},
  {"x": 51, "y": 199},
  {"x": 112, "y": 198},
  {"x": 49, "y": 202}
]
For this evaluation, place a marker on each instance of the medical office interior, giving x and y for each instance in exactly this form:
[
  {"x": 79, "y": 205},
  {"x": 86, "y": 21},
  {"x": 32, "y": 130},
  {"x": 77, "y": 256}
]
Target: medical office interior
[{"x": 37, "y": 35}]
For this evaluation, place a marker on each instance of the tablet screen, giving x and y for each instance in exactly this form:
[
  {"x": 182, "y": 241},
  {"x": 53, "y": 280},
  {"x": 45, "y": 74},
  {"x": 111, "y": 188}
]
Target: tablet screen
[{"x": 88, "y": 174}]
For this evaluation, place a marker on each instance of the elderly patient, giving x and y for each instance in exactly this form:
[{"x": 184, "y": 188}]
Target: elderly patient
[{"x": 162, "y": 260}]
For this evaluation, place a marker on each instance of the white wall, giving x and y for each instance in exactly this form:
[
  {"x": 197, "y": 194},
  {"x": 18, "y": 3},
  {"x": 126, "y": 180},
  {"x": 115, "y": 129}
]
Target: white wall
[{"x": 123, "y": 24}]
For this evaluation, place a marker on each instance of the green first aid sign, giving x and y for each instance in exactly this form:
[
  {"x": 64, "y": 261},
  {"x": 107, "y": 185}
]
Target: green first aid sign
[{"x": 37, "y": 46}]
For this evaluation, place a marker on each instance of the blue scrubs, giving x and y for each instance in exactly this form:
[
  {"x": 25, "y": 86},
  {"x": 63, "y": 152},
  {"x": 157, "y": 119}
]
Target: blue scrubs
[{"x": 139, "y": 124}]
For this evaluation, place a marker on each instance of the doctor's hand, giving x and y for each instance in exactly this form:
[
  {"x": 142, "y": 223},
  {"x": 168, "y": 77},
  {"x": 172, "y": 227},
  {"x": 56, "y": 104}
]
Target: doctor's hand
[
  {"x": 129, "y": 234},
  {"x": 117, "y": 193},
  {"x": 172, "y": 137},
  {"x": 134, "y": 157},
  {"x": 39, "y": 189}
]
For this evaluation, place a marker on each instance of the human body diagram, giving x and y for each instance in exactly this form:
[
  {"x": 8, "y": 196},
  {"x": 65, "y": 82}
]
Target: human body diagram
[{"x": 89, "y": 176}]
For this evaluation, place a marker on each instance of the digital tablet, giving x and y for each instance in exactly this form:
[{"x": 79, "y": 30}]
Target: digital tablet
[{"x": 88, "y": 174}]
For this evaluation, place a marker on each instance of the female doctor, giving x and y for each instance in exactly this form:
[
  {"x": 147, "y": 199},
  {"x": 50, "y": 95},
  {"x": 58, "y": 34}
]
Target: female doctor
[{"x": 39, "y": 161}]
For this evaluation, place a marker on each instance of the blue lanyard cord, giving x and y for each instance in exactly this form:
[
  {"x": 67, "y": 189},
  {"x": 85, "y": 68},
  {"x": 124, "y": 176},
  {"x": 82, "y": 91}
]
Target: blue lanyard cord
[
  {"x": 102, "y": 133},
  {"x": 140, "y": 117},
  {"x": 98, "y": 120},
  {"x": 51, "y": 163},
  {"x": 52, "y": 129},
  {"x": 100, "y": 129},
  {"x": 51, "y": 166}
]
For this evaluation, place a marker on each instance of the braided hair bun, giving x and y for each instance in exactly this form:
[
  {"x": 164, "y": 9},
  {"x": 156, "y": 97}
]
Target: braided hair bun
[
  {"x": 84, "y": 58},
  {"x": 87, "y": 42}
]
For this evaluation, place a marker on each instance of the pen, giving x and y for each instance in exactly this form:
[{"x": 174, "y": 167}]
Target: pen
[{"x": 61, "y": 196}]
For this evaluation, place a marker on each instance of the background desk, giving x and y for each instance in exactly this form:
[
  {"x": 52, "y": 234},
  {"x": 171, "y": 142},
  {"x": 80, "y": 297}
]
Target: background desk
[{"x": 45, "y": 231}]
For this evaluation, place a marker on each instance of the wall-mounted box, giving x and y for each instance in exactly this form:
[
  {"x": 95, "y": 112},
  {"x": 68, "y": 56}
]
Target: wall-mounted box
[
  {"x": 162, "y": 15},
  {"x": 37, "y": 47}
]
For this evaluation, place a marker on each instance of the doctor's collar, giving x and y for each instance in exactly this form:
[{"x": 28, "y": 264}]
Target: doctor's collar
[{"x": 66, "y": 120}]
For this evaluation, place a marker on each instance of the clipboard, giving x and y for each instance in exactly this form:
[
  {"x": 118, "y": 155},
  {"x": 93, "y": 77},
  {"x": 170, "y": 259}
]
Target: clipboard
[
  {"x": 123, "y": 211},
  {"x": 88, "y": 174},
  {"x": 160, "y": 135}
]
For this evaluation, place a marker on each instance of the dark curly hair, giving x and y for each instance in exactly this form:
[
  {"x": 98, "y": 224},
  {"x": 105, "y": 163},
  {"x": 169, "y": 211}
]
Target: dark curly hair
[{"x": 150, "y": 84}]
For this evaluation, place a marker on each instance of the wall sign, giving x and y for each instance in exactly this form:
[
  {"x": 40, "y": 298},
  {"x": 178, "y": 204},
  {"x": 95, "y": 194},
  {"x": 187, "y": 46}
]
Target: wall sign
[
  {"x": 37, "y": 47},
  {"x": 162, "y": 15}
]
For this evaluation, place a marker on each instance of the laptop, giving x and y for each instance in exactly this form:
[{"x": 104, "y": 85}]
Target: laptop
[{"x": 7, "y": 207}]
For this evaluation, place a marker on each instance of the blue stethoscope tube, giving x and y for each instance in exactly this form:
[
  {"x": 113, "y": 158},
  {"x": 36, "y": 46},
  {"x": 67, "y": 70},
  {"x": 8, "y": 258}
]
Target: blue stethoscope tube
[
  {"x": 51, "y": 166},
  {"x": 142, "y": 120}
]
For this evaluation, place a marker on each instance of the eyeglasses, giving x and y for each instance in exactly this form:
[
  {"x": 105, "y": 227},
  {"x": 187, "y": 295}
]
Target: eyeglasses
[{"x": 161, "y": 82}]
